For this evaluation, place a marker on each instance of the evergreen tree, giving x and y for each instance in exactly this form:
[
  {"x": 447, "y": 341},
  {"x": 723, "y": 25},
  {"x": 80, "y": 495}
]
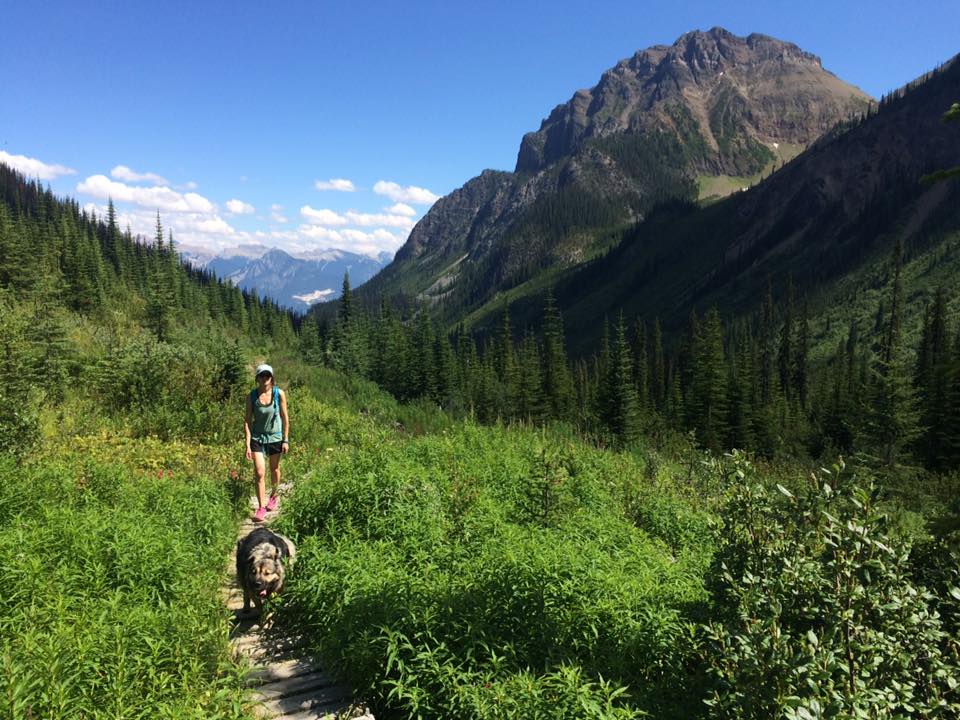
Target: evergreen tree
[
  {"x": 159, "y": 300},
  {"x": 557, "y": 382},
  {"x": 785, "y": 356},
  {"x": 641, "y": 366},
  {"x": 623, "y": 411},
  {"x": 707, "y": 398},
  {"x": 506, "y": 368},
  {"x": 658, "y": 376},
  {"x": 893, "y": 418}
]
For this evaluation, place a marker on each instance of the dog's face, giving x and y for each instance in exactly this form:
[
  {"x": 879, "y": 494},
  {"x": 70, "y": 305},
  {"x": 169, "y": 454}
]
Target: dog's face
[{"x": 265, "y": 572}]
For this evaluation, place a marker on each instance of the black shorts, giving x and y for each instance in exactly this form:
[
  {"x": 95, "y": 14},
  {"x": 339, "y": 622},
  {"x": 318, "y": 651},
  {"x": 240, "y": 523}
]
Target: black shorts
[{"x": 274, "y": 448}]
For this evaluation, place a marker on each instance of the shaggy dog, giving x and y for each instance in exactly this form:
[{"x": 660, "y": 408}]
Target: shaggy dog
[{"x": 260, "y": 565}]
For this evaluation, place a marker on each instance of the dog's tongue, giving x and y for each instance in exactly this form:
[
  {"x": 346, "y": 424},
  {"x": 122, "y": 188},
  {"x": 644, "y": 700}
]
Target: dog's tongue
[{"x": 263, "y": 593}]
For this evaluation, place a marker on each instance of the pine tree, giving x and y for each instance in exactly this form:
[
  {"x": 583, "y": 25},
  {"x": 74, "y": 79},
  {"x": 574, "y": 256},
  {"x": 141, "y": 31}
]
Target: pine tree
[
  {"x": 159, "y": 299},
  {"x": 707, "y": 401},
  {"x": 506, "y": 368},
  {"x": 785, "y": 355},
  {"x": 623, "y": 411},
  {"x": 641, "y": 366},
  {"x": 557, "y": 382},
  {"x": 658, "y": 376},
  {"x": 530, "y": 398},
  {"x": 801, "y": 348},
  {"x": 894, "y": 419}
]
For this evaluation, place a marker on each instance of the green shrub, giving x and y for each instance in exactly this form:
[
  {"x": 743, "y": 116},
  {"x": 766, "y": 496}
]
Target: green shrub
[
  {"x": 818, "y": 614},
  {"x": 110, "y": 605},
  {"x": 444, "y": 573}
]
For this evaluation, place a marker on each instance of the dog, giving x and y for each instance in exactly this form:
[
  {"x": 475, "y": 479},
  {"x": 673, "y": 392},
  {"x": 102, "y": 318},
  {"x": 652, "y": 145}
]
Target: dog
[{"x": 260, "y": 566}]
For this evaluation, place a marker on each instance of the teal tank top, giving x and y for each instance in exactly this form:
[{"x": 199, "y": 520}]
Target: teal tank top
[{"x": 267, "y": 426}]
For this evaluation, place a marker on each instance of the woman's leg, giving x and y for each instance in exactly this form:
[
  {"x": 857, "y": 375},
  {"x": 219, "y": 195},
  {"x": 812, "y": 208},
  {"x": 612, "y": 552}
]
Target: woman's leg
[
  {"x": 275, "y": 473},
  {"x": 258, "y": 472}
]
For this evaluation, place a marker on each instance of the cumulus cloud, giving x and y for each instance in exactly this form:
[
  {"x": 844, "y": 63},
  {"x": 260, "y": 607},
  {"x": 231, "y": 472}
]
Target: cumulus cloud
[
  {"x": 199, "y": 230},
  {"x": 239, "y": 207},
  {"x": 33, "y": 168},
  {"x": 122, "y": 172},
  {"x": 276, "y": 213},
  {"x": 350, "y": 239},
  {"x": 378, "y": 219},
  {"x": 401, "y": 209},
  {"x": 337, "y": 184},
  {"x": 409, "y": 194},
  {"x": 160, "y": 198},
  {"x": 322, "y": 216}
]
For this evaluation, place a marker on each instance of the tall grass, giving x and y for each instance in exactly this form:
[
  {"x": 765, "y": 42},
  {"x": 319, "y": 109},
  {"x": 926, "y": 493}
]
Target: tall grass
[
  {"x": 109, "y": 606},
  {"x": 491, "y": 572}
]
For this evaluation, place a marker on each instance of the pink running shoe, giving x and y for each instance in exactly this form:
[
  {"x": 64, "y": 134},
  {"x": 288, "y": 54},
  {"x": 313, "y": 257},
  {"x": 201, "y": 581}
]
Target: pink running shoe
[
  {"x": 272, "y": 503},
  {"x": 260, "y": 514}
]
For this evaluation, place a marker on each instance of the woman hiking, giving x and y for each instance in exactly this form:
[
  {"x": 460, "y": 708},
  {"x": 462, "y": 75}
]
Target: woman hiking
[{"x": 267, "y": 429}]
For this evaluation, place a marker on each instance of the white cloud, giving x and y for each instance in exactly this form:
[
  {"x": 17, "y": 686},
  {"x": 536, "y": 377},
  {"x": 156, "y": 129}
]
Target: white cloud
[
  {"x": 159, "y": 198},
  {"x": 33, "y": 168},
  {"x": 189, "y": 185},
  {"x": 122, "y": 172},
  {"x": 322, "y": 216},
  {"x": 337, "y": 184},
  {"x": 276, "y": 213},
  {"x": 239, "y": 207},
  {"x": 378, "y": 219},
  {"x": 401, "y": 209},
  {"x": 409, "y": 194}
]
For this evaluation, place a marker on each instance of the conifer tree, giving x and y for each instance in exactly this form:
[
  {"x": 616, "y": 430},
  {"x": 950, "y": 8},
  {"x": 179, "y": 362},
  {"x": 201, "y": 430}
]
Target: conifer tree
[
  {"x": 658, "y": 376},
  {"x": 894, "y": 419},
  {"x": 506, "y": 368},
  {"x": 530, "y": 398},
  {"x": 785, "y": 355},
  {"x": 707, "y": 401},
  {"x": 641, "y": 366},
  {"x": 623, "y": 410},
  {"x": 159, "y": 300},
  {"x": 557, "y": 382},
  {"x": 801, "y": 347}
]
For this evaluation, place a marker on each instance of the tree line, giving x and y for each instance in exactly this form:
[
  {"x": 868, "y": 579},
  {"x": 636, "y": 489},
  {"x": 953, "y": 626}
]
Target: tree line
[
  {"x": 748, "y": 384},
  {"x": 54, "y": 252}
]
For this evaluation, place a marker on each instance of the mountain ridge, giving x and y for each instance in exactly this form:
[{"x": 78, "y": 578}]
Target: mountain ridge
[{"x": 598, "y": 164}]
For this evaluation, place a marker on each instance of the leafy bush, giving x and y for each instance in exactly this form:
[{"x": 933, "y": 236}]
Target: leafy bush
[
  {"x": 819, "y": 616},
  {"x": 185, "y": 389},
  {"x": 487, "y": 572},
  {"x": 109, "y": 606}
]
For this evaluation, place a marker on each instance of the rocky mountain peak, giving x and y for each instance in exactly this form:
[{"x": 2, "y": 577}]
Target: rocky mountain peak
[{"x": 715, "y": 77}]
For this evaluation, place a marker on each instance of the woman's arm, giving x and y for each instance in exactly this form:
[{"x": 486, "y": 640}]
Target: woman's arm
[{"x": 247, "y": 420}]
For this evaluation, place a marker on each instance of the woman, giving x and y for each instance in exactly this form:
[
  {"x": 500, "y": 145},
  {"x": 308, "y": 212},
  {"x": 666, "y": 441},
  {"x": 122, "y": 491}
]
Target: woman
[{"x": 267, "y": 428}]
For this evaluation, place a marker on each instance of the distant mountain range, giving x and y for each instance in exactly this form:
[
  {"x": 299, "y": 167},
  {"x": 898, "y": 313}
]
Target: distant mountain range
[
  {"x": 296, "y": 282},
  {"x": 708, "y": 116}
]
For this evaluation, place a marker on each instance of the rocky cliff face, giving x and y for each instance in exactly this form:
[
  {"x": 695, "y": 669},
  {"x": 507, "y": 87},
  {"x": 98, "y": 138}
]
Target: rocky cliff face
[
  {"x": 711, "y": 104},
  {"x": 736, "y": 90}
]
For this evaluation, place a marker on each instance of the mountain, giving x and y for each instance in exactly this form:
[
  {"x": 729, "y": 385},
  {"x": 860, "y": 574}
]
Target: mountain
[
  {"x": 827, "y": 221},
  {"x": 701, "y": 118},
  {"x": 295, "y": 282}
]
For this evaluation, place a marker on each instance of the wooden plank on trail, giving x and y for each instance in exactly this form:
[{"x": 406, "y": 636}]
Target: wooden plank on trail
[
  {"x": 262, "y": 674},
  {"x": 317, "y": 699},
  {"x": 314, "y": 680}
]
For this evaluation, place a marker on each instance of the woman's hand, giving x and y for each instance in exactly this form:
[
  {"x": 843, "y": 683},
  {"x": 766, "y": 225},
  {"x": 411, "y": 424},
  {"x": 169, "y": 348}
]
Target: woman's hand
[
  {"x": 284, "y": 447},
  {"x": 249, "y": 453}
]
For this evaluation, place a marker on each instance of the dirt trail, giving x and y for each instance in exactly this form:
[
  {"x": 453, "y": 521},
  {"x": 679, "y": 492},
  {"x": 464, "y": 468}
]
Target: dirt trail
[{"x": 286, "y": 682}]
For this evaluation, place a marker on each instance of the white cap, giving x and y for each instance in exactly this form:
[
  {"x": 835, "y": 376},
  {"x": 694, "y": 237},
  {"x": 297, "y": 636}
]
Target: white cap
[{"x": 263, "y": 368}]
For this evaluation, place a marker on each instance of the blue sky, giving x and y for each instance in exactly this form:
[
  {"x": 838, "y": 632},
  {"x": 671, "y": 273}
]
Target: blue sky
[{"x": 234, "y": 119}]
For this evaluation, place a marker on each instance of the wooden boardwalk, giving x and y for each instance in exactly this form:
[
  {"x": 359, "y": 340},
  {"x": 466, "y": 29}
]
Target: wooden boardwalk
[{"x": 285, "y": 680}]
